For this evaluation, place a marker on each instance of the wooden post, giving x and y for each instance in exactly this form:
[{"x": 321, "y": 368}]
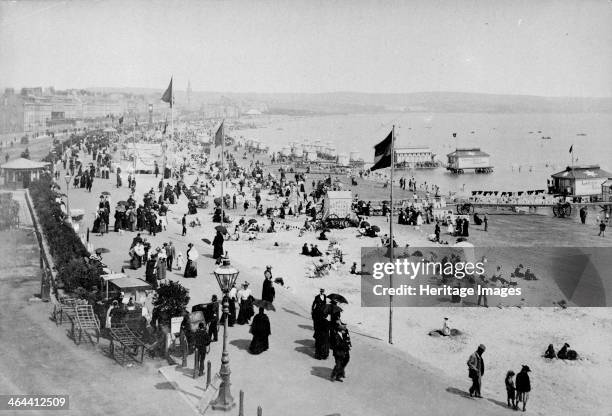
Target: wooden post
[
  {"x": 195, "y": 363},
  {"x": 208, "y": 374},
  {"x": 241, "y": 404},
  {"x": 184, "y": 350},
  {"x": 259, "y": 411}
]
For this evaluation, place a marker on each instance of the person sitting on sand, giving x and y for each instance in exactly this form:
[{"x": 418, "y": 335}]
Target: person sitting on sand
[
  {"x": 315, "y": 252},
  {"x": 562, "y": 354},
  {"x": 354, "y": 268},
  {"x": 322, "y": 236},
  {"x": 518, "y": 272},
  {"x": 550, "y": 352},
  {"x": 529, "y": 275},
  {"x": 305, "y": 250}
]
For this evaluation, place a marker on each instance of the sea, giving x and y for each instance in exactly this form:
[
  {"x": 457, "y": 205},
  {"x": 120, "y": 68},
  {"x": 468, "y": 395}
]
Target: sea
[{"x": 521, "y": 158}]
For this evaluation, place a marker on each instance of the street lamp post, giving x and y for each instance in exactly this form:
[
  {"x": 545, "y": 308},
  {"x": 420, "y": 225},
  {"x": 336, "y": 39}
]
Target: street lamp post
[
  {"x": 67, "y": 178},
  {"x": 226, "y": 277}
]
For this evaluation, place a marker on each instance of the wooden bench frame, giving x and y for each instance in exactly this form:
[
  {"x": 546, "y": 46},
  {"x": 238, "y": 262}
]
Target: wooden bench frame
[
  {"x": 129, "y": 344},
  {"x": 85, "y": 320}
]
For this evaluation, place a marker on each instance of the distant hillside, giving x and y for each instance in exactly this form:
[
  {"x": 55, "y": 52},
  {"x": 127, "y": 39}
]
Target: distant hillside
[{"x": 355, "y": 102}]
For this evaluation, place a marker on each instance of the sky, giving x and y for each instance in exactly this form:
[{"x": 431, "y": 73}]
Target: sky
[{"x": 534, "y": 47}]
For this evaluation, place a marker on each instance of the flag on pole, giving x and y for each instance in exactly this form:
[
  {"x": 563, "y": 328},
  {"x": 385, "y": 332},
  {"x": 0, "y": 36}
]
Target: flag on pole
[
  {"x": 382, "y": 153},
  {"x": 167, "y": 97},
  {"x": 571, "y": 149},
  {"x": 219, "y": 135}
]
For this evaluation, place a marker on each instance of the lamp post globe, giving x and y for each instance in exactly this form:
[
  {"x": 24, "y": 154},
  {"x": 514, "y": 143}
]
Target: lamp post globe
[{"x": 226, "y": 276}]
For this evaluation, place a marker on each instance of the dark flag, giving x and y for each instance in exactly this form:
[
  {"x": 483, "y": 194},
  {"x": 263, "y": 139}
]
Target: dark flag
[
  {"x": 571, "y": 148},
  {"x": 382, "y": 153},
  {"x": 167, "y": 97},
  {"x": 219, "y": 135},
  {"x": 121, "y": 120}
]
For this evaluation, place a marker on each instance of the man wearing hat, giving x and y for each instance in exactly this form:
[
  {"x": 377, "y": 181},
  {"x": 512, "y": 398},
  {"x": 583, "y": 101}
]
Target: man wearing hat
[
  {"x": 267, "y": 292},
  {"x": 202, "y": 342},
  {"x": 476, "y": 370},
  {"x": 212, "y": 317},
  {"x": 523, "y": 386},
  {"x": 341, "y": 345}
]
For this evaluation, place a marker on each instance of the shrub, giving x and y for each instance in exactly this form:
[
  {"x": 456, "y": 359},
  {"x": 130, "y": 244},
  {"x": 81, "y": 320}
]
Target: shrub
[{"x": 170, "y": 300}]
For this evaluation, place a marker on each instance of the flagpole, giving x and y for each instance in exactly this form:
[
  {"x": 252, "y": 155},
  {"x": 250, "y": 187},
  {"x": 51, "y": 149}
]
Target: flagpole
[
  {"x": 222, "y": 169},
  {"x": 391, "y": 248}
]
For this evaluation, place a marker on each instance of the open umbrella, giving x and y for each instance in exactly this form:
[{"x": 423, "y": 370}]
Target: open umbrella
[
  {"x": 268, "y": 306},
  {"x": 101, "y": 250},
  {"x": 106, "y": 193},
  {"x": 375, "y": 228},
  {"x": 122, "y": 203},
  {"x": 338, "y": 298},
  {"x": 252, "y": 221},
  {"x": 221, "y": 228},
  {"x": 206, "y": 240}
]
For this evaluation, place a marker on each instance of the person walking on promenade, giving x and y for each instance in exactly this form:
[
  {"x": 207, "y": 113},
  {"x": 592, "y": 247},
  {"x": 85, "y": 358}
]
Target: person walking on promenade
[
  {"x": 267, "y": 291},
  {"x": 476, "y": 370},
  {"x": 486, "y": 222},
  {"x": 583, "y": 215},
  {"x": 523, "y": 386},
  {"x": 510, "y": 390},
  {"x": 212, "y": 316},
  {"x": 170, "y": 254},
  {"x": 202, "y": 342},
  {"x": 184, "y": 224},
  {"x": 341, "y": 345},
  {"x": 218, "y": 245},
  {"x": 260, "y": 328},
  {"x": 602, "y": 229}
]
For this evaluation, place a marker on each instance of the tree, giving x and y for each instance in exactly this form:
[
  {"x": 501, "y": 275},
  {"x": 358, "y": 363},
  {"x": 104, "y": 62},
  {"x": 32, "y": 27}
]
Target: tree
[{"x": 170, "y": 300}]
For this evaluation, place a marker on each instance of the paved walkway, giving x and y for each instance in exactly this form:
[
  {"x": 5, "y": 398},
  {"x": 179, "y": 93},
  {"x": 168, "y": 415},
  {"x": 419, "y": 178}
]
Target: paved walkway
[{"x": 37, "y": 357}]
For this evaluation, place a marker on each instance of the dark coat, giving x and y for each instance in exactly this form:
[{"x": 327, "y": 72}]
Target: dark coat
[
  {"x": 268, "y": 292},
  {"x": 218, "y": 245},
  {"x": 523, "y": 384}
]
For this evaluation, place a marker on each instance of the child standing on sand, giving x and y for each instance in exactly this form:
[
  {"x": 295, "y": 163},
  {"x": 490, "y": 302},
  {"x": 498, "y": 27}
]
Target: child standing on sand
[{"x": 510, "y": 389}]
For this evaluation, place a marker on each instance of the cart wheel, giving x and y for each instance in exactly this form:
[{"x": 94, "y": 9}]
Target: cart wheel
[{"x": 568, "y": 210}]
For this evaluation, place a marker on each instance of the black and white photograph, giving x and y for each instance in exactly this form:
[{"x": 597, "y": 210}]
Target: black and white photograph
[{"x": 305, "y": 207}]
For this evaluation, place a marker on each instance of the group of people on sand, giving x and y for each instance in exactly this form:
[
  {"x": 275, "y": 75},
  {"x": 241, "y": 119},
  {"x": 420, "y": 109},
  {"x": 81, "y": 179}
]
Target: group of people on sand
[{"x": 517, "y": 390}]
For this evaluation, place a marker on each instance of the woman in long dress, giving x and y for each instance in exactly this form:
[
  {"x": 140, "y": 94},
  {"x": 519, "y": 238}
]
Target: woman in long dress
[
  {"x": 161, "y": 265},
  {"x": 245, "y": 299},
  {"x": 261, "y": 331},
  {"x": 191, "y": 269}
]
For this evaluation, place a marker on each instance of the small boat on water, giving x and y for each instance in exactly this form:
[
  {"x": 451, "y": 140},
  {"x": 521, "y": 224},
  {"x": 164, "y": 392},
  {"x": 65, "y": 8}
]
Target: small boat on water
[
  {"x": 546, "y": 137},
  {"x": 580, "y": 134}
]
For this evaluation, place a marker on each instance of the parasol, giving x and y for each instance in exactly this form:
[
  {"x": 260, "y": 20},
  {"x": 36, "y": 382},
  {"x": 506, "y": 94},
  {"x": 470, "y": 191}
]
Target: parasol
[
  {"x": 364, "y": 224},
  {"x": 264, "y": 304},
  {"x": 375, "y": 228},
  {"x": 101, "y": 250},
  {"x": 206, "y": 240},
  {"x": 252, "y": 221},
  {"x": 338, "y": 298},
  {"x": 106, "y": 193},
  {"x": 221, "y": 228},
  {"x": 122, "y": 203},
  {"x": 139, "y": 250}
]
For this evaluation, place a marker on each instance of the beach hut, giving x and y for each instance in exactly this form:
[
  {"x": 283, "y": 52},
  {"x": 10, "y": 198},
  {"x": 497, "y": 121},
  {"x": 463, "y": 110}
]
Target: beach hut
[
  {"x": 20, "y": 172},
  {"x": 580, "y": 180}
]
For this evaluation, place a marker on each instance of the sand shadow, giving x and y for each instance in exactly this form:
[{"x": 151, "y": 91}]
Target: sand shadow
[
  {"x": 322, "y": 372},
  {"x": 458, "y": 392},
  {"x": 500, "y": 403},
  {"x": 307, "y": 327},
  {"x": 241, "y": 344},
  {"x": 293, "y": 312},
  {"x": 305, "y": 342},
  {"x": 305, "y": 350},
  {"x": 166, "y": 385}
]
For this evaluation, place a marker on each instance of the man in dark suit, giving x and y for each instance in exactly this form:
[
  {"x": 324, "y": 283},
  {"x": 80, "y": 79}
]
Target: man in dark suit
[
  {"x": 202, "y": 341},
  {"x": 212, "y": 317}
]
